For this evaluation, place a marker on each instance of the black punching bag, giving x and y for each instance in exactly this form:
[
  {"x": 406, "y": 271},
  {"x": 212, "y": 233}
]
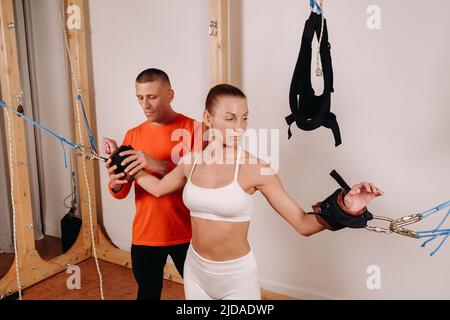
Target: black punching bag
[{"x": 70, "y": 228}]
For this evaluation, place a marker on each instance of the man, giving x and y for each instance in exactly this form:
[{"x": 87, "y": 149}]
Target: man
[{"x": 161, "y": 226}]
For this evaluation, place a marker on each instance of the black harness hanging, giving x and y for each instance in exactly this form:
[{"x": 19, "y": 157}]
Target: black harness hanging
[{"x": 309, "y": 111}]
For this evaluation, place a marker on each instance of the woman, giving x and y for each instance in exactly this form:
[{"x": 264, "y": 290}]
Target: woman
[{"x": 218, "y": 187}]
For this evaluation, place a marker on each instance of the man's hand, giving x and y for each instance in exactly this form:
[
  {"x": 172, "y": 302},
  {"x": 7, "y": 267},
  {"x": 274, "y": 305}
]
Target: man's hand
[
  {"x": 139, "y": 160},
  {"x": 360, "y": 196},
  {"x": 109, "y": 146},
  {"x": 115, "y": 180}
]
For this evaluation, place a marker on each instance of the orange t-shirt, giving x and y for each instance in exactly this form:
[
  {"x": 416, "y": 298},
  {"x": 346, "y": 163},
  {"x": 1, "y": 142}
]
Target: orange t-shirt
[{"x": 163, "y": 221}]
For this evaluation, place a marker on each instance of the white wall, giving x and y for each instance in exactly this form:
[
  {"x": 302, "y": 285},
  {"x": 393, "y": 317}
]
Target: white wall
[
  {"x": 392, "y": 103},
  {"x": 391, "y": 99}
]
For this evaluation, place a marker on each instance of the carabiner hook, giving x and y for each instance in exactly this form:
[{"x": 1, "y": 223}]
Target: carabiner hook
[{"x": 380, "y": 229}]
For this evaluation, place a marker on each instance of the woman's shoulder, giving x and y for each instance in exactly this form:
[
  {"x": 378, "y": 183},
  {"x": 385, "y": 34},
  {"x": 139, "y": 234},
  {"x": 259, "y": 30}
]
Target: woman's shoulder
[{"x": 254, "y": 165}]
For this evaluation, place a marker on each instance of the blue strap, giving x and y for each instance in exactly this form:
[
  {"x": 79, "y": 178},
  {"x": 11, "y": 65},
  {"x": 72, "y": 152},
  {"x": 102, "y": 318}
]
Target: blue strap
[
  {"x": 446, "y": 234},
  {"x": 432, "y": 233},
  {"x": 429, "y": 212},
  {"x": 443, "y": 220},
  {"x": 86, "y": 123},
  {"x": 313, "y": 4},
  {"x": 440, "y": 244},
  {"x": 429, "y": 240},
  {"x": 40, "y": 126},
  {"x": 65, "y": 156},
  {"x": 436, "y": 232}
]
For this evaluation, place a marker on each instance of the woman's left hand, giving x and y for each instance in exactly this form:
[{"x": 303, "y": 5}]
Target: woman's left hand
[{"x": 360, "y": 196}]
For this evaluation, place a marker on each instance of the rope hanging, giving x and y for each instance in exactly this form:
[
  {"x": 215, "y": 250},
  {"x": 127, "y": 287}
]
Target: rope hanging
[
  {"x": 13, "y": 204},
  {"x": 92, "y": 148}
]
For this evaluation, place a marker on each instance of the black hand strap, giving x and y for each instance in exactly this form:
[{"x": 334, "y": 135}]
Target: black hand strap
[
  {"x": 334, "y": 216},
  {"x": 340, "y": 180}
]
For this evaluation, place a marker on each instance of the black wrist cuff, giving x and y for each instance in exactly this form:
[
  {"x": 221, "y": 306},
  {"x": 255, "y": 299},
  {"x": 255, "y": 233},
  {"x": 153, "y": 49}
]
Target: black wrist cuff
[{"x": 337, "y": 218}]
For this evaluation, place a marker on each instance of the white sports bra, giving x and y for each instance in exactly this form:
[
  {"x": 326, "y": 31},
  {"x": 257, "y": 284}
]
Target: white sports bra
[{"x": 229, "y": 203}]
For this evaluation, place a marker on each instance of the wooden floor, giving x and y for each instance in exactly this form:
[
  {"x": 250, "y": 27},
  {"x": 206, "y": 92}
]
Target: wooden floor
[
  {"x": 118, "y": 282},
  {"x": 48, "y": 248},
  {"x": 6, "y": 261}
]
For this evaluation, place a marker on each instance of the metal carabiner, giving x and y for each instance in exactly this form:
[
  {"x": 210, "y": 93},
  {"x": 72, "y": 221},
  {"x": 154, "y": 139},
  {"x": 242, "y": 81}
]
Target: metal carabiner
[
  {"x": 404, "y": 221},
  {"x": 87, "y": 153},
  {"x": 399, "y": 224},
  {"x": 380, "y": 229}
]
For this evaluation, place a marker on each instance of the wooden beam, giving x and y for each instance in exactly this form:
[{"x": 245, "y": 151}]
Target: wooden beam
[
  {"x": 76, "y": 14},
  {"x": 35, "y": 270},
  {"x": 219, "y": 56},
  {"x": 32, "y": 268},
  {"x": 114, "y": 255},
  {"x": 107, "y": 251},
  {"x": 10, "y": 88},
  {"x": 80, "y": 51}
]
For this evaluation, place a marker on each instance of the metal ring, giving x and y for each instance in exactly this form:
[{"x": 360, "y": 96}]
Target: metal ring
[
  {"x": 85, "y": 152},
  {"x": 380, "y": 229}
]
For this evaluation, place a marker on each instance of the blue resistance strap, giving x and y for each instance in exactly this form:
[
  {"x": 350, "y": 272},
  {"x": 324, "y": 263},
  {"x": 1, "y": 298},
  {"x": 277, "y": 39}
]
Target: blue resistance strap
[
  {"x": 313, "y": 4},
  {"x": 436, "y": 232},
  {"x": 62, "y": 140},
  {"x": 86, "y": 123}
]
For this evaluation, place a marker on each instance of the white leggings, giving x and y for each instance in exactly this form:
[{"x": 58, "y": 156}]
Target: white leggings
[{"x": 222, "y": 280}]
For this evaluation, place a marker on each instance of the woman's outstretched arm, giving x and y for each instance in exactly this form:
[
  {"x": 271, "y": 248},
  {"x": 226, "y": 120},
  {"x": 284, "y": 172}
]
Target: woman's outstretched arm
[
  {"x": 171, "y": 182},
  {"x": 308, "y": 224}
]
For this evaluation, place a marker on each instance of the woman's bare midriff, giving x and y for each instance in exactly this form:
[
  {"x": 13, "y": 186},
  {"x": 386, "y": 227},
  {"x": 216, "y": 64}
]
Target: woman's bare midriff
[{"x": 220, "y": 240}]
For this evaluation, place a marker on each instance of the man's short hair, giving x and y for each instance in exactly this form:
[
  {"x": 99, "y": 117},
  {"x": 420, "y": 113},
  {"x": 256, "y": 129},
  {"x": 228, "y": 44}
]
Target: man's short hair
[{"x": 151, "y": 75}]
